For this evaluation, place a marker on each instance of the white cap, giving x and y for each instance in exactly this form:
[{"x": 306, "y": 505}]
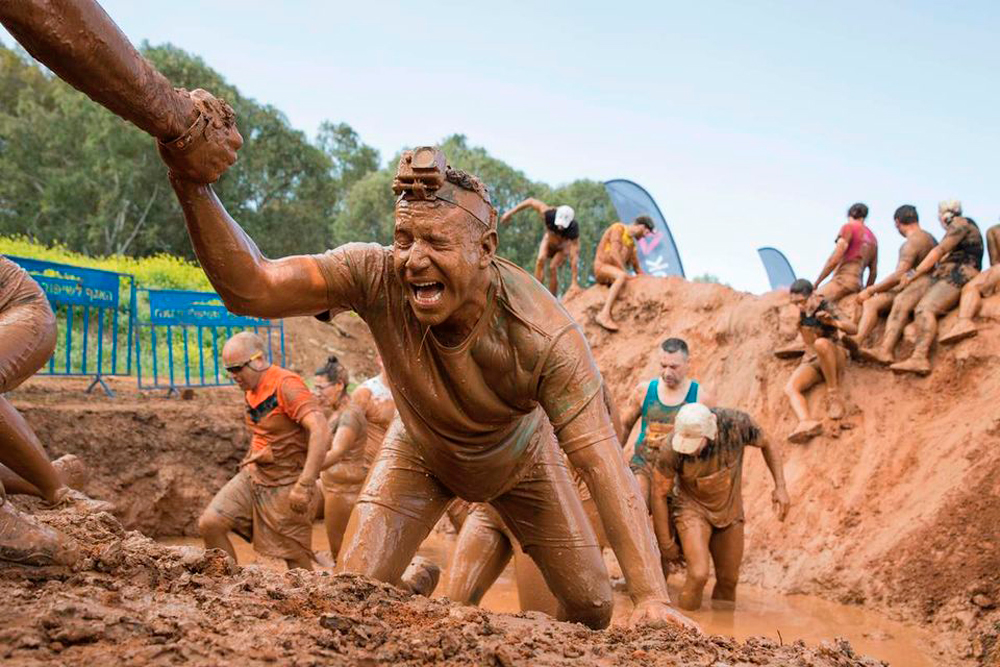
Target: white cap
[
  {"x": 693, "y": 422},
  {"x": 564, "y": 216}
]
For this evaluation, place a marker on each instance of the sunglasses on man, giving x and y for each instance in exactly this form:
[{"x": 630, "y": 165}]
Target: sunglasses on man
[{"x": 233, "y": 370}]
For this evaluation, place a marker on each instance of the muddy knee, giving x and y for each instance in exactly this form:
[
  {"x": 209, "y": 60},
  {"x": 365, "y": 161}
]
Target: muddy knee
[
  {"x": 212, "y": 523},
  {"x": 824, "y": 346},
  {"x": 594, "y": 611}
]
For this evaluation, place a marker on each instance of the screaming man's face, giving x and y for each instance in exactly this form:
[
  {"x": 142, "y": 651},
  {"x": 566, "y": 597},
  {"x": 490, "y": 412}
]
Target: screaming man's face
[{"x": 440, "y": 254}]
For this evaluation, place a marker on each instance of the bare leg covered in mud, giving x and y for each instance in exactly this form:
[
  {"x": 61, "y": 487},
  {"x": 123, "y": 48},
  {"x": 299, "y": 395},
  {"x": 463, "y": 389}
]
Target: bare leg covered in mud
[
  {"x": 902, "y": 309},
  {"x": 970, "y": 302},
  {"x": 616, "y": 278},
  {"x": 939, "y": 299},
  {"x": 560, "y": 240},
  {"x": 701, "y": 542}
]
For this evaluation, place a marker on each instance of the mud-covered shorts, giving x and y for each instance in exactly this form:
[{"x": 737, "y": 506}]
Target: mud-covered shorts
[
  {"x": 27, "y": 326},
  {"x": 643, "y": 460},
  {"x": 261, "y": 515},
  {"x": 542, "y": 509}
]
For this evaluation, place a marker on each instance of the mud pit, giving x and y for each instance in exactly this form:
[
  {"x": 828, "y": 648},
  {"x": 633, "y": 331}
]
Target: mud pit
[
  {"x": 895, "y": 513},
  {"x": 138, "y": 602}
]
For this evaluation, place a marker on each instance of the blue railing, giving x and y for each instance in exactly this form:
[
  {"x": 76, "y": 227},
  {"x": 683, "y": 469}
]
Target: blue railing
[
  {"x": 96, "y": 324},
  {"x": 180, "y": 343}
]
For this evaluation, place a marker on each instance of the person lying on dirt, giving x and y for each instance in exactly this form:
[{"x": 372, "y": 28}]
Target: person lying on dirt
[
  {"x": 269, "y": 501},
  {"x": 887, "y": 295},
  {"x": 561, "y": 241},
  {"x": 856, "y": 249},
  {"x": 702, "y": 472},
  {"x": 655, "y": 403},
  {"x": 616, "y": 251},
  {"x": 820, "y": 326},
  {"x": 952, "y": 264},
  {"x": 486, "y": 369},
  {"x": 975, "y": 290},
  {"x": 27, "y": 340}
]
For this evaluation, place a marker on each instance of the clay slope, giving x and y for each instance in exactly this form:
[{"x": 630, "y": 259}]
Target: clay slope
[{"x": 895, "y": 507}]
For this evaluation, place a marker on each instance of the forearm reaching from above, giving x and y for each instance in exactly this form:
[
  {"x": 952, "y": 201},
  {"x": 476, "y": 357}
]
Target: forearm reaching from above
[
  {"x": 248, "y": 282},
  {"x": 78, "y": 41}
]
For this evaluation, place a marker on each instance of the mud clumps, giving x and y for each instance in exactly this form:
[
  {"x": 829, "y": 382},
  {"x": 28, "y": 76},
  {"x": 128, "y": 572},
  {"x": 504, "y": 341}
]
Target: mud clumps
[{"x": 134, "y": 601}]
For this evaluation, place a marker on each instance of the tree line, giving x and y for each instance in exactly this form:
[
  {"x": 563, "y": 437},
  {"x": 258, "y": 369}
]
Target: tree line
[{"x": 74, "y": 174}]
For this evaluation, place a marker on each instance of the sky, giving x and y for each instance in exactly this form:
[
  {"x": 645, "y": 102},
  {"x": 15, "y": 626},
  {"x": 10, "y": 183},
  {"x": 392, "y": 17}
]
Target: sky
[{"x": 751, "y": 124}]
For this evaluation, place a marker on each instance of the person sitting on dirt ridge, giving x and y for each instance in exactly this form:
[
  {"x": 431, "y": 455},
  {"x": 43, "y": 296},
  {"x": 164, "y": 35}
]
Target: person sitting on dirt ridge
[
  {"x": 616, "y": 251},
  {"x": 269, "y": 499},
  {"x": 656, "y": 403},
  {"x": 702, "y": 472},
  {"x": 887, "y": 295},
  {"x": 820, "y": 325},
  {"x": 486, "y": 368},
  {"x": 952, "y": 264},
  {"x": 560, "y": 241},
  {"x": 856, "y": 249},
  {"x": 982, "y": 285},
  {"x": 27, "y": 340}
]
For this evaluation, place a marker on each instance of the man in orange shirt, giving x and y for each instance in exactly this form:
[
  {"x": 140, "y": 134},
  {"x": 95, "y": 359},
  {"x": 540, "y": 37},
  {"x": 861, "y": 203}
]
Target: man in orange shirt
[
  {"x": 616, "y": 251},
  {"x": 269, "y": 500}
]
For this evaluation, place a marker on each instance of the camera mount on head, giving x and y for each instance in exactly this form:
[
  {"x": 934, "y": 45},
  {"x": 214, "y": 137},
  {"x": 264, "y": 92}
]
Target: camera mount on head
[{"x": 423, "y": 174}]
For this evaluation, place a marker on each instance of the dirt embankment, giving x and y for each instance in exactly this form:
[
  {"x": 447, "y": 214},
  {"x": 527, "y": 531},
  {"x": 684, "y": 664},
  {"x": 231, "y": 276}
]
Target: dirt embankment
[
  {"x": 137, "y": 602},
  {"x": 896, "y": 507}
]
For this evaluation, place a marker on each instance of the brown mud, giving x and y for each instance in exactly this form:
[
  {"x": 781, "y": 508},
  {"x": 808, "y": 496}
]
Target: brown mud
[
  {"x": 895, "y": 508},
  {"x": 137, "y": 602}
]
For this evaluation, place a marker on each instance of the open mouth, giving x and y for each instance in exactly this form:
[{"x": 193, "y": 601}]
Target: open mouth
[{"x": 427, "y": 293}]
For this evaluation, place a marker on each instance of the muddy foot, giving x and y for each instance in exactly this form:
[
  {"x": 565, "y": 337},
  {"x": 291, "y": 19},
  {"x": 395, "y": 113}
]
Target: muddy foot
[
  {"x": 875, "y": 355},
  {"x": 422, "y": 575},
  {"x": 72, "y": 471},
  {"x": 805, "y": 432},
  {"x": 324, "y": 559},
  {"x": 835, "y": 406},
  {"x": 606, "y": 322},
  {"x": 913, "y": 365},
  {"x": 960, "y": 331},
  {"x": 28, "y": 542},
  {"x": 80, "y": 502},
  {"x": 790, "y": 351}
]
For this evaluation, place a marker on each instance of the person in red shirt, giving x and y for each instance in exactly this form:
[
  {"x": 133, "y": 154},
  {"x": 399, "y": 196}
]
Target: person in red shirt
[
  {"x": 269, "y": 499},
  {"x": 856, "y": 250}
]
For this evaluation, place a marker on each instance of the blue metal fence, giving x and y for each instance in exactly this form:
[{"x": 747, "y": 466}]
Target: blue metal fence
[
  {"x": 180, "y": 344},
  {"x": 91, "y": 315}
]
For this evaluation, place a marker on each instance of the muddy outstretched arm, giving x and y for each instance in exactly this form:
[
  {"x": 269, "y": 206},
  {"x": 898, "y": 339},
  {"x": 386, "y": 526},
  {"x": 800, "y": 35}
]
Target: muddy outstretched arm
[
  {"x": 663, "y": 486},
  {"x": 78, "y": 41},
  {"x": 772, "y": 457},
  {"x": 834, "y": 260},
  {"x": 633, "y": 410},
  {"x": 248, "y": 282},
  {"x": 906, "y": 261},
  {"x": 539, "y": 206},
  {"x": 319, "y": 436}
]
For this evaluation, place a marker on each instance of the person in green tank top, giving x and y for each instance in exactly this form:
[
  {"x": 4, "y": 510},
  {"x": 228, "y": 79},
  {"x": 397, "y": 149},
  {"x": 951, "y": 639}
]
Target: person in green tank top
[{"x": 656, "y": 402}]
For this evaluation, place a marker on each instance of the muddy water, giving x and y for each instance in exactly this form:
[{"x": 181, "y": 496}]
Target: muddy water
[{"x": 759, "y": 612}]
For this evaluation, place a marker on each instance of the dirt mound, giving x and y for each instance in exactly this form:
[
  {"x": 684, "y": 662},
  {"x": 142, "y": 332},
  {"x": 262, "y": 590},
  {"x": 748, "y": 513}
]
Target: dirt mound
[
  {"x": 138, "y": 602},
  {"x": 158, "y": 459},
  {"x": 895, "y": 507},
  {"x": 308, "y": 342}
]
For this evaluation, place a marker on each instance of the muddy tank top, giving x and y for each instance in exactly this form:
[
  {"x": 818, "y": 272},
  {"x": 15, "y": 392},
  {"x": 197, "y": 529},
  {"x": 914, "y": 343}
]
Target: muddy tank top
[{"x": 657, "y": 418}]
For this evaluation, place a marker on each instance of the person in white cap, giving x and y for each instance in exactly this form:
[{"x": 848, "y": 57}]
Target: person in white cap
[
  {"x": 560, "y": 242},
  {"x": 702, "y": 470}
]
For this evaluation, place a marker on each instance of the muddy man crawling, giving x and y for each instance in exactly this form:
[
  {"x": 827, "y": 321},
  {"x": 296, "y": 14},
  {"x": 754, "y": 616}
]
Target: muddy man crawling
[
  {"x": 820, "y": 325},
  {"x": 485, "y": 368}
]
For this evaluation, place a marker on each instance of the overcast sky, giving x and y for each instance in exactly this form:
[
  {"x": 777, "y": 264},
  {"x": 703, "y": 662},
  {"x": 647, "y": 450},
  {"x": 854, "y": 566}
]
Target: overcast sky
[{"x": 750, "y": 123}]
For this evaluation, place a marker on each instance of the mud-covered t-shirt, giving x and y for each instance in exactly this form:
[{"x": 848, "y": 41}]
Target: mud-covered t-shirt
[
  {"x": 861, "y": 243},
  {"x": 965, "y": 252},
  {"x": 473, "y": 411},
  {"x": 710, "y": 484},
  {"x": 571, "y": 232},
  {"x": 279, "y": 443}
]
